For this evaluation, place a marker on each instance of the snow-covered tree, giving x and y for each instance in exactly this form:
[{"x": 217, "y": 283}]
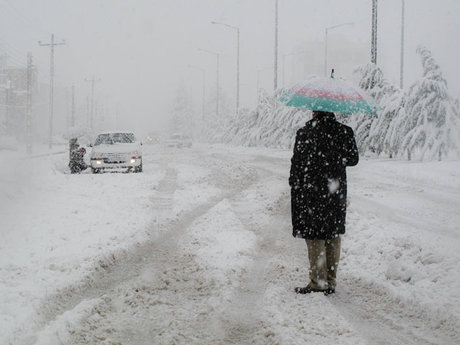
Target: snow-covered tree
[
  {"x": 425, "y": 122},
  {"x": 270, "y": 124},
  {"x": 376, "y": 133},
  {"x": 432, "y": 120}
]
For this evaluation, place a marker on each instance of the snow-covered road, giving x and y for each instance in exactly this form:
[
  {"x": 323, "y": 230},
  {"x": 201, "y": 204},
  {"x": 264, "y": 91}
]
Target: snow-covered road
[{"x": 198, "y": 250}]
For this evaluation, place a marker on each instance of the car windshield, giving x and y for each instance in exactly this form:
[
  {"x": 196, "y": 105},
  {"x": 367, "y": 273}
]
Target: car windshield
[{"x": 115, "y": 138}]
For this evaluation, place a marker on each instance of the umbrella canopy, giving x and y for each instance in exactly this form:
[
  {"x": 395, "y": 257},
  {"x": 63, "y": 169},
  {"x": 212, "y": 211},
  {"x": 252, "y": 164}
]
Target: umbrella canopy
[{"x": 329, "y": 94}]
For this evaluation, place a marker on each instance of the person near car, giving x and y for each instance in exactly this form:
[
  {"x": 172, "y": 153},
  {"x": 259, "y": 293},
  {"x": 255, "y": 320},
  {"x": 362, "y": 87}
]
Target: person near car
[
  {"x": 77, "y": 162},
  {"x": 322, "y": 151}
]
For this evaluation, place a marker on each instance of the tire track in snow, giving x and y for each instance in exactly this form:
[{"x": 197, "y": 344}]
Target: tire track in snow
[
  {"x": 120, "y": 267},
  {"x": 108, "y": 271},
  {"x": 245, "y": 322},
  {"x": 119, "y": 285},
  {"x": 180, "y": 291}
]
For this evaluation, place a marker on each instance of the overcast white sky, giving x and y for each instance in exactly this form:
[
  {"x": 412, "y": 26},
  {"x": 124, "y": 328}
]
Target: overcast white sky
[{"x": 141, "y": 49}]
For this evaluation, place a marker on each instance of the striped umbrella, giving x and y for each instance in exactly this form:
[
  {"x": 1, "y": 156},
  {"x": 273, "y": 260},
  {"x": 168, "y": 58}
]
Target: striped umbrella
[{"x": 329, "y": 94}]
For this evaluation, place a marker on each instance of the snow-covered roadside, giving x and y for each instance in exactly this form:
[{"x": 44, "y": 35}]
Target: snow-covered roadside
[
  {"x": 55, "y": 226},
  {"x": 58, "y": 228},
  {"x": 233, "y": 264},
  {"x": 404, "y": 236},
  {"x": 405, "y": 229}
]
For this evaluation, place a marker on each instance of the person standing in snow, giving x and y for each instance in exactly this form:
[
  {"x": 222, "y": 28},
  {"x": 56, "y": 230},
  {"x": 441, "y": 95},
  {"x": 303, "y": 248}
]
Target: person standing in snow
[
  {"x": 323, "y": 149},
  {"x": 77, "y": 161}
]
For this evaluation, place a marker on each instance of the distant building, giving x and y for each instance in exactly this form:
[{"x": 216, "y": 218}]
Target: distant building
[{"x": 13, "y": 96}]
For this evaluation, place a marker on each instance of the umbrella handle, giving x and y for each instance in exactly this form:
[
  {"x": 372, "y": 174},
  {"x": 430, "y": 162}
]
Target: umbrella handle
[{"x": 332, "y": 73}]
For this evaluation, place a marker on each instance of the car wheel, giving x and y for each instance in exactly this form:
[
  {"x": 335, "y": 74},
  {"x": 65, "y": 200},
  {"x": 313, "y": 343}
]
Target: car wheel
[{"x": 95, "y": 171}]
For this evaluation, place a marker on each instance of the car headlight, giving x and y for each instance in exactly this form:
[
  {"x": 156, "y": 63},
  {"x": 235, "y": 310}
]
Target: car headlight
[{"x": 133, "y": 160}]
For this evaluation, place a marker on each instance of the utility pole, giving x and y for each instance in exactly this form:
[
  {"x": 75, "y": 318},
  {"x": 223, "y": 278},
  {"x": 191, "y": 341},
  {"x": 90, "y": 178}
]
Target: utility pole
[
  {"x": 275, "y": 72},
  {"x": 91, "y": 116},
  {"x": 29, "y": 105},
  {"x": 51, "y": 105},
  {"x": 374, "y": 32},
  {"x": 401, "y": 71}
]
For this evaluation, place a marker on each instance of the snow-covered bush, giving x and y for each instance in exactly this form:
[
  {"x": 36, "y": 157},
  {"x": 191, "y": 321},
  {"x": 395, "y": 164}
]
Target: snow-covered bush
[{"x": 271, "y": 124}]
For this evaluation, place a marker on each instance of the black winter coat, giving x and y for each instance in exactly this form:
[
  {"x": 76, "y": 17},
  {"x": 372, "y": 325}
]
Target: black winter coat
[{"x": 322, "y": 151}]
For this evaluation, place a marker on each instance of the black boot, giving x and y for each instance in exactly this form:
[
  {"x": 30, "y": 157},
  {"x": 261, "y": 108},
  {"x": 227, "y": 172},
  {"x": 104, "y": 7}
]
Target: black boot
[
  {"x": 306, "y": 289},
  {"x": 329, "y": 291}
]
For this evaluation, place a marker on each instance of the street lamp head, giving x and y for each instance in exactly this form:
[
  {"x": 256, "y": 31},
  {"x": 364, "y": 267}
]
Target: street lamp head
[
  {"x": 227, "y": 25},
  {"x": 339, "y": 25}
]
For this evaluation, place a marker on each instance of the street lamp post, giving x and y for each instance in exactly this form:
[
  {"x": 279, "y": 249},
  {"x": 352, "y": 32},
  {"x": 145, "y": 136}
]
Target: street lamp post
[
  {"x": 203, "y": 73},
  {"x": 217, "y": 77},
  {"x": 325, "y": 42},
  {"x": 275, "y": 69},
  {"x": 237, "y": 29},
  {"x": 374, "y": 32}
]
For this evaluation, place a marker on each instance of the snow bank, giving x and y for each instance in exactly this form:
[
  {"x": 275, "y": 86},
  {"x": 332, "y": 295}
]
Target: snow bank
[{"x": 403, "y": 233}]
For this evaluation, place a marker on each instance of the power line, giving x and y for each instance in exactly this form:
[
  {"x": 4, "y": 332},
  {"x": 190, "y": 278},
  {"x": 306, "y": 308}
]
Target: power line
[
  {"x": 16, "y": 63},
  {"x": 18, "y": 59},
  {"x": 19, "y": 13},
  {"x": 12, "y": 49},
  {"x": 13, "y": 54}
]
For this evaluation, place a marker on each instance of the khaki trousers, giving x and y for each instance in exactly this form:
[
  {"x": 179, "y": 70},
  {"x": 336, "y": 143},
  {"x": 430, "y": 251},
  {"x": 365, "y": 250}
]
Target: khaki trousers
[{"x": 324, "y": 256}]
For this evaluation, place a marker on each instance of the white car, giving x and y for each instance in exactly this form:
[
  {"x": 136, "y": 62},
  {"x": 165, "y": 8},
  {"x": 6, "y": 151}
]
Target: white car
[
  {"x": 116, "y": 150},
  {"x": 179, "y": 140}
]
